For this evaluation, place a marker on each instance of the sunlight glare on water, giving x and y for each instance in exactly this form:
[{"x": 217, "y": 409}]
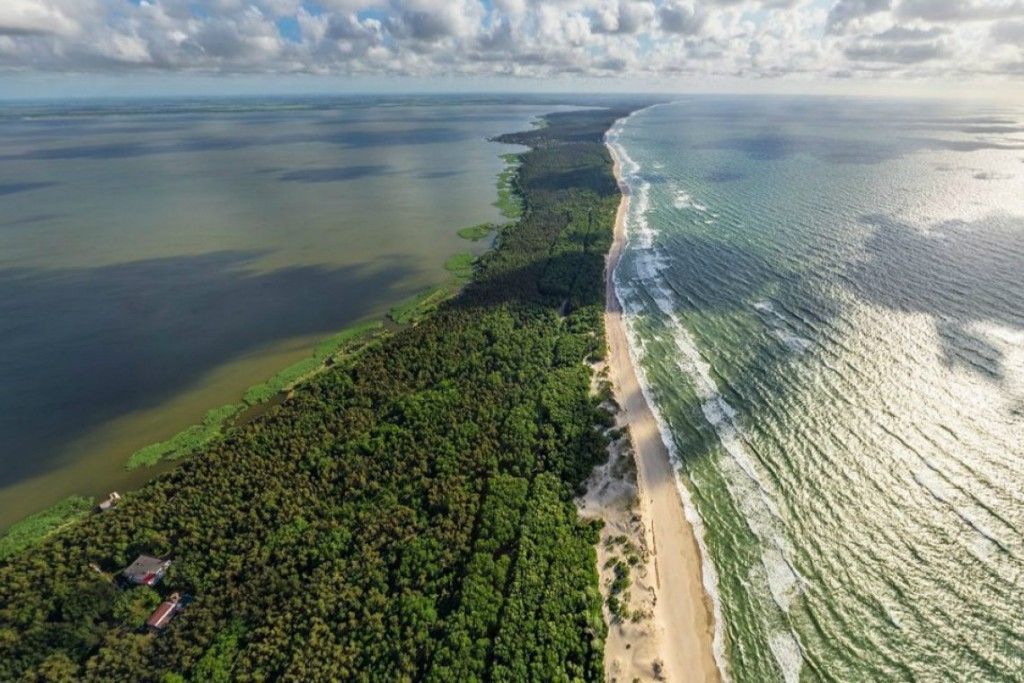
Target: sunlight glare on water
[{"x": 826, "y": 298}]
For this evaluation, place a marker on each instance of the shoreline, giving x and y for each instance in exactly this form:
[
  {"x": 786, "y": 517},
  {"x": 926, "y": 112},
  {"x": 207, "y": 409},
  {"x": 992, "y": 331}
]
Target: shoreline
[
  {"x": 124, "y": 450},
  {"x": 138, "y": 466},
  {"x": 684, "y": 630},
  {"x": 497, "y": 543}
]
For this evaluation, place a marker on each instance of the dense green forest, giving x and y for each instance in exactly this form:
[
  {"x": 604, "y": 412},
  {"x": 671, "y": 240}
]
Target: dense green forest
[{"x": 405, "y": 515}]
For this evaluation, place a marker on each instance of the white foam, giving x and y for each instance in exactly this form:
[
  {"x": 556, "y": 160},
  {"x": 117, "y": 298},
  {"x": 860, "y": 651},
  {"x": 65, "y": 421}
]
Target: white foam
[
  {"x": 747, "y": 487},
  {"x": 794, "y": 342},
  {"x": 783, "y": 581},
  {"x": 786, "y": 649},
  {"x": 637, "y": 226},
  {"x": 683, "y": 200},
  {"x": 624, "y": 292}
]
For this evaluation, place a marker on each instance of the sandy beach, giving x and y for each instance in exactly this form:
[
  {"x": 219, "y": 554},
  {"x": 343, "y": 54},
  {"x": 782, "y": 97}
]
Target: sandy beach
[{"x": 675, "y": 641}]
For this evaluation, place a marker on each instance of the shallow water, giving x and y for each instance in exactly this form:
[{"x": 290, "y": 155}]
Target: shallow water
[
  {"x": 157, "y": 258},
  {"x": 826, "y": 299}
]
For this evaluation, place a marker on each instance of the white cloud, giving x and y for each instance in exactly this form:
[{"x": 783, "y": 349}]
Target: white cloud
[
  {"x": 32, "y": 17},
  {"x": 961, "y": 10},
  {"x": 1009, "y": 32},
  {"x": 681, "y": 17},
  {"x": 846, "y": 12},
  {"x": 656, "y": 38}
]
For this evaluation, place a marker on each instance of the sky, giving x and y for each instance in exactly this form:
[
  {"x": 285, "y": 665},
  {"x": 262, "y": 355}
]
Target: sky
[{"x": 53, "y": 48}]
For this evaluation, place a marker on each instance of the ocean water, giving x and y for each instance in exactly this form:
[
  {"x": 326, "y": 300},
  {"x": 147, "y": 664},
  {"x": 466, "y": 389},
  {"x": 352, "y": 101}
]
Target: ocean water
[
  {"x": 826, "y": 303},
  {"x": 158, "y": 257}
]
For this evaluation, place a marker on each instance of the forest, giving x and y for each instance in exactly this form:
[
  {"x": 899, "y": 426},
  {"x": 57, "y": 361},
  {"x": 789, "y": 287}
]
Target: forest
[{"x": 405, "y": 515}]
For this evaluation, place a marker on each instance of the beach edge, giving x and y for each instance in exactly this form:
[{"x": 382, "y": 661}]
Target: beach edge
[{"x": 684, "y": 628}]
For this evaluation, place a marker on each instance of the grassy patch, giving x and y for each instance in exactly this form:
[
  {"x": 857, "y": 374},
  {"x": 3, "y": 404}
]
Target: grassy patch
[
  {"x": 35, "y": 528},
  {"x": 216, "y": 421},
  {"x": 187, "y": 441},
  {"x": 461, "y": 265},
  {"x": 475, "y": 233},
  {"x": 618, "y": 595},
  {"x": 509, "y": 203},
  {"x": 296, "y": 372},
  {"x": 415, "y": 309}
]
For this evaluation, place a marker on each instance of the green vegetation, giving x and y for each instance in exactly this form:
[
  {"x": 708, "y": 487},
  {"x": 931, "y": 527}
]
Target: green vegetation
[
  {"x": 406, "y": 514},
  {"x": 133, "y": 605},
  {"x": 296, "y": 372},
  {"x": 509, "y": 202},
  {"x": 423, "y": 304},
  {"x": 475, "y": 233},
  {"x": 461, "y": 265},
  {"x": 618, "y": 593},
  {"x": 35, "y": 528},
  {"x": 216, "y": 663},
  {"x": 217, "y": 421},
  {"x": 624, "y": 554},
  {"x": 188, "y": 441}
]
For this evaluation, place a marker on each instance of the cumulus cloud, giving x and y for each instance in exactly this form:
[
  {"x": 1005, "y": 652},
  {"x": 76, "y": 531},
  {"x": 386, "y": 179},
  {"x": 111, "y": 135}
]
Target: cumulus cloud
[
  {"x": 899, "y": 34},
  {"x": 542, "y": 38},
  {"x": 31, "y": 17},
  {"x": 681, "y": 17},
  {"x": 1009, "y": 32},
  {"x": 961, "y": 10},
  {"x": 625, "y": 17},
  {"x": 844, "y": 12},
  {"x": 899, "y": 54}
]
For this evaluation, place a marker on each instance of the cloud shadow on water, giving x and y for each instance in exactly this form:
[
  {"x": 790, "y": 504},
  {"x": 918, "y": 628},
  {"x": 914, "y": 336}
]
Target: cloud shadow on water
[
  {"x": 16, "y": 188},
  {"x": 775, "y": 146},
  {"x": 347, "y": 139},
  {"x": 334, "y": 174},
  {"x": 82, "y": 346},
  {"x": 961, "y": 274},
  {"x": 31, "y": 220},
  {"x": 434, "y": 175}
]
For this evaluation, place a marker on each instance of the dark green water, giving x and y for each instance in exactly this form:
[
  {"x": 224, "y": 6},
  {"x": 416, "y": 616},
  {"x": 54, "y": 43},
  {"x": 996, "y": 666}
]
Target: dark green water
[
  {"x": 826, "y": 299},
  {"x": 158, "y": 258}
]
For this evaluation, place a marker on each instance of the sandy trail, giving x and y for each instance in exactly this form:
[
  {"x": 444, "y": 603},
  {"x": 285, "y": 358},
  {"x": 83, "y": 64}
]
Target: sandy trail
[{"x": 682, "y": 628}]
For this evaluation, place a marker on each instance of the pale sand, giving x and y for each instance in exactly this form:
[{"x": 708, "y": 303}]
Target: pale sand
[{"x": 681, "y": 631}]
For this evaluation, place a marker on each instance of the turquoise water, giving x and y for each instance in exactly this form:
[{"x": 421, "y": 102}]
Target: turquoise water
[
  {"x": 826, "y": 300},
  {"x": 158, "y": 257}
]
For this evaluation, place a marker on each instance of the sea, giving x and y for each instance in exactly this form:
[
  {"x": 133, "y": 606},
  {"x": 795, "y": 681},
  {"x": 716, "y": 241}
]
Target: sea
[
  {"x": 158, "y": 257},
  {"x": 825, "y": 301}
]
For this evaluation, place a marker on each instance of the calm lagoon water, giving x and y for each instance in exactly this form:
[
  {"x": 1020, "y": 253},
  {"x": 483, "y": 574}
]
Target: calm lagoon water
[
  {"x": 157, "y": 258},
  {"x": 827, "y": 300}
]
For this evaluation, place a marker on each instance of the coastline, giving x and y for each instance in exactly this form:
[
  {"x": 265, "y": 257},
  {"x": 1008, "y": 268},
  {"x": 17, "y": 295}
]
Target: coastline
[
  {"x": 683, "y": 631},
  {"x": 496, "y": 526},
  {"x": 143, "y": 462},
  {"x": 134, "y": 411}
]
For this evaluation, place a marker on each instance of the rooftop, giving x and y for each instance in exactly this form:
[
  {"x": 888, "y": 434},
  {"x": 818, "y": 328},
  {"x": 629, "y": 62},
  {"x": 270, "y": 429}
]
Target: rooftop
[{"x": 146, "y": 570}]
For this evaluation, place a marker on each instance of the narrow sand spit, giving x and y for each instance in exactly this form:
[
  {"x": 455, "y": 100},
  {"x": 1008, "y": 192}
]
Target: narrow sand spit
[{"x": 668, "y": 632}]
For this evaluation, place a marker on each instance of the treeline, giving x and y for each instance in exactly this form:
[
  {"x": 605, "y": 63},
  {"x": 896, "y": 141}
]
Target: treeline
[{"x": 405, "y": 515}]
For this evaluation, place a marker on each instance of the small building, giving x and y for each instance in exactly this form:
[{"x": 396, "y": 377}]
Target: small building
[
  {"x": 112, "y": 500},
  {"x": 146, "y": 570},
  {"x": 163, "y": 614}
]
